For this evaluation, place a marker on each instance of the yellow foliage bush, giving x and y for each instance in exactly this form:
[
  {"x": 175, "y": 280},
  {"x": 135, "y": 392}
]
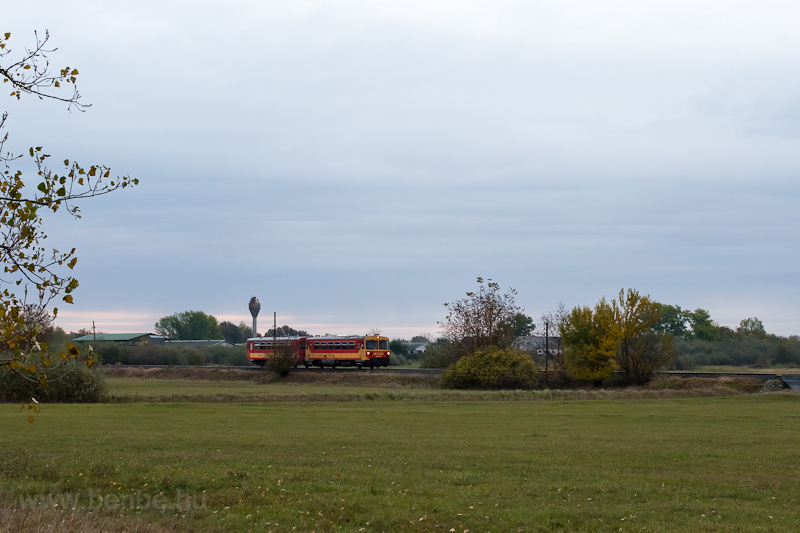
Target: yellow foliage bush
[{"x": 492, "y": 368}]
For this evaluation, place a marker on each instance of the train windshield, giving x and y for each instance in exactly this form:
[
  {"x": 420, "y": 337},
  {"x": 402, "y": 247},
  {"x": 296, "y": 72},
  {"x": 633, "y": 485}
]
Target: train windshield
[{"x": 373, "y": 344}]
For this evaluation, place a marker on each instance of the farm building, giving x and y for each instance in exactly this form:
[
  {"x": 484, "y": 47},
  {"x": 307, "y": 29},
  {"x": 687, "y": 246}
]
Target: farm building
[{"x": 126, "y": 339}]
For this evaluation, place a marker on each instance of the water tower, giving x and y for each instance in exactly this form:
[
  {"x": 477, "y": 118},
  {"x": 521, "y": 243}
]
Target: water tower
[{"x": 255, "y": 307}]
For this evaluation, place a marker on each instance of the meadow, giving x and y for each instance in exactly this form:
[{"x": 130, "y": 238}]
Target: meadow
[{"x": 376, "y": 462}]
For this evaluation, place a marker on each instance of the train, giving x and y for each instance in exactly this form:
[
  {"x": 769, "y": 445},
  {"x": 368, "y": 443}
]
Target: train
[{"x": 370, "y": 351}]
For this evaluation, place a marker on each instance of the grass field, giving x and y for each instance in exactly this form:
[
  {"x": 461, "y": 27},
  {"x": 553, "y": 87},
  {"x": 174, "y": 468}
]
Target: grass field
[{"x": 683, "y": 464}]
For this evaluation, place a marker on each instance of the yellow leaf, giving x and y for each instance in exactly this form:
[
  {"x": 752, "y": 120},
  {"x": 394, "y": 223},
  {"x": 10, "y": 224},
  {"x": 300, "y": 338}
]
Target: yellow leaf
[{"x": 30, "y": 419}]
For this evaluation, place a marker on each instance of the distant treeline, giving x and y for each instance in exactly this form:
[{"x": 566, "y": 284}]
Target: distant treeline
[
  {"x": 111, "y": 353},
  {"x": 699, "y": 341},
  {"x": 767, "y": 352}
]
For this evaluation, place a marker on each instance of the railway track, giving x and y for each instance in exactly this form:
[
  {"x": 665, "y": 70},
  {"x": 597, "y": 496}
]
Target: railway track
[
  {"x": 761, "y": 376},
  {"x": 383, "y": 370}
]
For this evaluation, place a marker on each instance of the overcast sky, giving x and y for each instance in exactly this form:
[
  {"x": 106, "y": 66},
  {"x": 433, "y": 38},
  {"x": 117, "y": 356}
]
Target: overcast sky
[{"x": 355, "y": 164}]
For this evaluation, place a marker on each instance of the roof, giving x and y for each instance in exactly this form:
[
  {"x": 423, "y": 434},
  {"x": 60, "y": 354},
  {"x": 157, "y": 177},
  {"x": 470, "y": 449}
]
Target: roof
[
  {"x": 117, "y": 337},
  {"x": 200, "y": 343}
]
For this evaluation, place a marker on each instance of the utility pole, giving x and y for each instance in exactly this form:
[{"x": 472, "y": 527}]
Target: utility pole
[
  {"x": 546, "y": 349},
  {"x": 94, "y": 333}
]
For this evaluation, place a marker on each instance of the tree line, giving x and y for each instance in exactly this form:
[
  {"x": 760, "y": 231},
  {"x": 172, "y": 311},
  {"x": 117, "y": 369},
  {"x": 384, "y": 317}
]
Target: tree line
[{"x": 628, "y": 339}]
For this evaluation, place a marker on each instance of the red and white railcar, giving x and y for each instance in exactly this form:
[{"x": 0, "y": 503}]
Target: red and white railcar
[{"x": 360, "y": 351}]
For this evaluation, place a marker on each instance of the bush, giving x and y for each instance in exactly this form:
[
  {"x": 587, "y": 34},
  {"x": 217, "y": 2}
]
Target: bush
[
  {"x": 492, "y": 368},
  {"x": 395, "y": 359},
  {"x": 227, "y": 355},
  {"x": 282, "y": 362},
  {"x": 80, "y": 384}
]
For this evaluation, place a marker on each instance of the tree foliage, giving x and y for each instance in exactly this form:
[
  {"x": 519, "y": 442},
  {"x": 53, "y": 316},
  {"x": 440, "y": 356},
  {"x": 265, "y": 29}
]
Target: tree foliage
[
  {"x": 702, "y": 327},
  {"x": 286, "y": 331},
  {"x": 235, "y": 334},
  {"x": 522, "y": 325},
  {"x": 751, "y": 327},
  {"x": 492, "y": 368},
  {"x": 397, "y": 347},
  {"x": 188, "y": 325},
  {"x": 641, "y": 350},
  {"x": 484, "y": 318},
  {"x": 35, "y": 277},
  {"x": 590, "y": 338},
  {"x": 622, "y": 335},
  {"x": 439, "y": 354}
]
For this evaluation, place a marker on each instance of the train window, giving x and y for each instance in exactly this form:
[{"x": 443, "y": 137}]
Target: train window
[
  {"x": 303, "y": 345},
  {"x": 316, "y": 345},
  {"x": 352, "y": 345},
  {"x": 337, "y": 345},
  {"x": 384, "y": 345},
  {"x": 371, "y": 344}
]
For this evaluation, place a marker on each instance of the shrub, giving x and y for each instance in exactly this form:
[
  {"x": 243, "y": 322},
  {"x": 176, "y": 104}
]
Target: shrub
[
  {"x": 395, "y": 359},
  {"x": 227, "y": 355},
  {"x": 80, "y": 384},
  {"x": 492, "y": 368},
  {"x": 283, "y": 361}
]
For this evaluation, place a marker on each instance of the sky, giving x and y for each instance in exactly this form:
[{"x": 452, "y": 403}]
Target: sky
[{"x": 356, "y": 164}]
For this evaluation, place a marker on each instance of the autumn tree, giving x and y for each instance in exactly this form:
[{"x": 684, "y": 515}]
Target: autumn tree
[
  {"x": 188, "y": 325},
  {"x": 590, "y": 337},
  {"x": 621, "y": 336},
  {"x": 34, "y": 277},
  {"x": 641, "y": 350},
  {"x": 484, "y": 318}
]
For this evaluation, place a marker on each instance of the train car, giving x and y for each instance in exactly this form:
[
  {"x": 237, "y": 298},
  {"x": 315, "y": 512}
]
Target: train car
[
  {"x": 259, "y": 349},
  {"x": 371, "y": 351}
]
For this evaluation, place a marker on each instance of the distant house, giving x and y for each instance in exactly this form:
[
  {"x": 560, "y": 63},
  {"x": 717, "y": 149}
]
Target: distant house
[
  {"x": 126, "y": 339},
  {"x": 538, "y": 344},
  {"x": 417, "y": 348},
  {"x": 195, "y": 344}
]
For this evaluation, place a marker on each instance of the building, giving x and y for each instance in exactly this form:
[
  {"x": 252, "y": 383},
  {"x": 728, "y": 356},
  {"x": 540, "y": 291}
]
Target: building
[
  {"x": 125, "y": 339},
  {"x": 536, "y": 343},
  {"x": 196, "y": 344}
]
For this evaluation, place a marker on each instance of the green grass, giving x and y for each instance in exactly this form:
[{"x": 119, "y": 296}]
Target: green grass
[{"x": 701, "y": 464}]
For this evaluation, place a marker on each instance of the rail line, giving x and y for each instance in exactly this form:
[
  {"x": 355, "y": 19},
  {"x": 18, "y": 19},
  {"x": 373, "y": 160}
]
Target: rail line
[
  {"x": 761, "y": 376},
  {"x": 365, "y": 370}
]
